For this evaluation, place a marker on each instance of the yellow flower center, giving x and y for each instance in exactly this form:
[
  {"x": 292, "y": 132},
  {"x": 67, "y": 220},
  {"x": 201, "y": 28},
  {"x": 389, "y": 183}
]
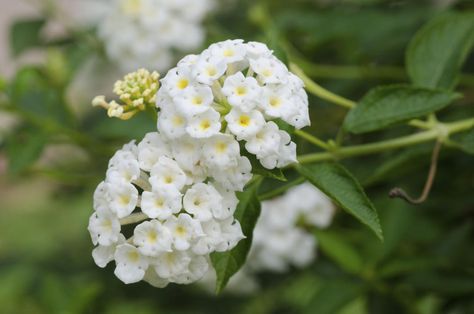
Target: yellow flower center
[
  {"x": 244, "y": 120},
  {"x": 196, "y": 100},
  {"x": 228, "y": 53},
  {"x": 152, "y": 236},
  {"x": 178, "y": 121},
  {"x": 205, "y": 124},
  {"x": 240, "y": 90},
  {"x": 133, "y": 256},
  {"x": 275, "y": 102},
  {"x": 182, "y": 83},
  {"x": 221, "y": 147},
  {"x": 180, "y": 231}
]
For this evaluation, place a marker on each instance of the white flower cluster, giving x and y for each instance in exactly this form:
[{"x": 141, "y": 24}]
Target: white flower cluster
[
  {"x": 279, "y": 241},
  {"x": 183, "y": 213},
  {"x": 233, "y": 91},
  {"x": 144, "y": 33}
]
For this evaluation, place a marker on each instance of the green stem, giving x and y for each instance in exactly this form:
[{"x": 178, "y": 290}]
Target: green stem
[
  {"x": 319, "y": 91},
  {"x": 312, "y": 139},
  {"x": 440, "y": 131}
]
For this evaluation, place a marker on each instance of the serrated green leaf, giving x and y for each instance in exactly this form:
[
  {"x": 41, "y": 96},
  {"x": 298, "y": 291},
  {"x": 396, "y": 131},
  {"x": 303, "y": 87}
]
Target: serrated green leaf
[
  {"x": 339, "y": 250},
  {"x": 228, "y": 263},
  {"x": 25, "y": 35},
  {"x": 334, "y": 180},
  {"x": 464, "y": 141},
  {"x": 438, "y": 50},
  {"x": 389, "y": 105}
]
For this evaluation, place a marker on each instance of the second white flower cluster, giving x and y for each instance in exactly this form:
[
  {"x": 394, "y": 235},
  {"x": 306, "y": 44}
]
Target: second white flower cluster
[{"x": 182, "y": 217}]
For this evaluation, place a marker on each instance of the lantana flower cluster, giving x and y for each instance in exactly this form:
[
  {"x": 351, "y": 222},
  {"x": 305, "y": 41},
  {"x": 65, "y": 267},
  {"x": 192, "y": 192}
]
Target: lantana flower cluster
[
  {"x": 280, "y": 238},
  {"x": 178, "y": 185},
  {"x": 141, "y": 33},
  {"x": 181, "y": 216},
  {"x": 234, "y": 92}
]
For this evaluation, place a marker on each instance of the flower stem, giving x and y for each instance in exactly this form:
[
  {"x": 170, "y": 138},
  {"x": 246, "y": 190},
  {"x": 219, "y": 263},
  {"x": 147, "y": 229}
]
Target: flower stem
[
  {"x": 312, "y": 139},
  {"x": 133, "y": 218},
  {"x": 319, "y": 91},
  {"x": 439, "y": 131}
]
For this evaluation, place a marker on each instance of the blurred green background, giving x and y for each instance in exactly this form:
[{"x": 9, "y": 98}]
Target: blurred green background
[{"x": 54, "y": 149}]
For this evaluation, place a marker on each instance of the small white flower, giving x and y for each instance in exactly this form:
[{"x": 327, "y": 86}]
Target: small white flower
[
  {"x": 101, "y": 202},
  {"x": 197, "y": 268},
  {"x": 187, "y": 153},
  {"x": 171, "y": 123},
  {"x": 104, "y": 228},
  {"x": 152, "y": 238},
  {"x": 201, "y": 200},
  {"x": 229, "y": 50},
  {"x": 153, "y": 279},
  {"x": 167, "y": 172},
  {"x": 126, "y": 170},
  {"x": 242, "y": 92},
  {"x": 208, "y": 69},
  {"x": 123, "y": 198},
  {"x": 231, "y": 234},
  {"x": 162, "y": 202},
  {"x": 278, "y": 102},
  {"x": 244, "y": 125},
  {"x": 204, "y": 125},
  {"x": 131, "y": 265},
  {"x": 221, "y": 151},
  {"x": 256, "y": 50},
  {"x": 150, "y": 149},
  {"x": 265, "y": 142},
  {"x": 172, "y": 264},
  {"x": 270, "y": 70},
  {"x": 184, "y": 229},
  {"x": 103, "y": 254},
  {"x": 228, "y": 204},
  {"x": 234, "y": 178},
  {"x": 194, "y": 100},
  {"x": 177, "y": 80}
]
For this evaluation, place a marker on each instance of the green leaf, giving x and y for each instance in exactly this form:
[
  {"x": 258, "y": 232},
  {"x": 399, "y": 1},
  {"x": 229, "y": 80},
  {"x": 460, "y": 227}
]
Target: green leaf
[
  {"x": 438, "y": 50},
  {"x": 25, "y": 35},
  {"x": 464, "y": 141},
  {"x": 388, "y": 105},
  {"x": 339, "y": 250},
  {"x": 24, "y": 149},
  {"x": 33, "y": 96},
  {"x": 334, "y": 180},
  {"x": 333, "y": 296},
  {"x": 228, "y": 263}
]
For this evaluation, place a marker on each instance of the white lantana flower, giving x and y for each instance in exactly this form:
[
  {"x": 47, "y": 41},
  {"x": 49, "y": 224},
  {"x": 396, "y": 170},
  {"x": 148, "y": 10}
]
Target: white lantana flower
[
  {"x": 152, "y": 238},
  {"x": 162, "y": 202},
  {"x": 146, "y": 32},
  {"x": 237, "y": 89},
  {"x": 131, "y": 265},
  {"x": 201, "y": 200}
]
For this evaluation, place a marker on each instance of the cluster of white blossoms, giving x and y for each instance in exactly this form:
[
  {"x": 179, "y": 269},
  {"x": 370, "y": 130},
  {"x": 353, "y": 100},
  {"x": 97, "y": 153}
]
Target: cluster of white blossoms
[
  {"x": 182, "y": 214},
  {"x": 178, "y": 185},
  {"x": 280, "y": 240},
  {"x": 233, "y": 92},
  {"x": 144, "y": 33}
]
